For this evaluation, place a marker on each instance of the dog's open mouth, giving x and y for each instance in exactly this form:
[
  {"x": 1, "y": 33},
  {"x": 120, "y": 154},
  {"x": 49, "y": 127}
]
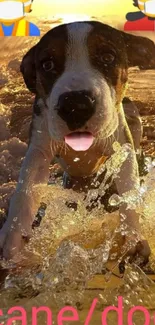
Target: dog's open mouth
[{"x": 79, "y": 141}]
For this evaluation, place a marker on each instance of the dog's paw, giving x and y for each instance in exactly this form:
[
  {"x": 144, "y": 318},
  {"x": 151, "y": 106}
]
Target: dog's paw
[
  {"x": 13, "y": 239},
  {"x": 139, "y": 254}
]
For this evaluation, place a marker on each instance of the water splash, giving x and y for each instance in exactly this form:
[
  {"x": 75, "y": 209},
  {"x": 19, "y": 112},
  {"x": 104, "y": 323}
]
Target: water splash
[{"x": 73, "y": 245}]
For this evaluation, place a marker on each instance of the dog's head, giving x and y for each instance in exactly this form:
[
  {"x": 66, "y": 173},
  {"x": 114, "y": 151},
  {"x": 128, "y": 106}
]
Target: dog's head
[{"x": 79, "y": 70}]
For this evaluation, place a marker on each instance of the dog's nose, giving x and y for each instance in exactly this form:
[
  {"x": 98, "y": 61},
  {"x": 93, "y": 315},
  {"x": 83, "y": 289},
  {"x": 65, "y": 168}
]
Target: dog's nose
[{"x": 76, "y": 108}]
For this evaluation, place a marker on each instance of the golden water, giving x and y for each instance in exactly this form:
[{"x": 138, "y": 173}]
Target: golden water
[{"x": 67, "y": 259}]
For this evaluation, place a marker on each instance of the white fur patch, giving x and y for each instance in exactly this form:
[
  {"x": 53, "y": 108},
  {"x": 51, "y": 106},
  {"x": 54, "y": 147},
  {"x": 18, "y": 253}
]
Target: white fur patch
[{"x": 77, "y": 51}]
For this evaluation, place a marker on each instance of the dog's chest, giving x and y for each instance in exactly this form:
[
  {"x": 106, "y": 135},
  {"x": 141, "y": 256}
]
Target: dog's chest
[{"x": 81, "y": 164}]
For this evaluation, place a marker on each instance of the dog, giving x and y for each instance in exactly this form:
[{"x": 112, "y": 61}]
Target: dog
[{"x": 79, "y": 73}]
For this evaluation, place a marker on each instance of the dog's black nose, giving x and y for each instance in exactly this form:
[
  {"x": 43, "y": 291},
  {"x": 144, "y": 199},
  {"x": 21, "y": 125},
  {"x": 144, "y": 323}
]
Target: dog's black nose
[{"x": 76, "y": 108}]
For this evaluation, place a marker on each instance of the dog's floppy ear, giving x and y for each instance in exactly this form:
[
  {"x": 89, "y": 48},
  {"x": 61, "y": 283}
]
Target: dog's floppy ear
[
  {"x": 28, "y": 69},
  {"x": 140, "y": 51}
]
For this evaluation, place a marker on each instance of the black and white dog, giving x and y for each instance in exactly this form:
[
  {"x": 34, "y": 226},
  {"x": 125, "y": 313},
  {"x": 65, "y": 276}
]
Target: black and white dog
[{"x": 79, "y": 73}]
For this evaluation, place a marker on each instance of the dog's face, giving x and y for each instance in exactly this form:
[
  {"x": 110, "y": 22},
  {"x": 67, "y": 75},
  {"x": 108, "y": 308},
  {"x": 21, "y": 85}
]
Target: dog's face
[{"x": 79, "y": 70}]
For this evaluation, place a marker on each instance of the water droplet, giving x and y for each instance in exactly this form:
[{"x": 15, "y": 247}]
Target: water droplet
[
  {"x": 122, "y": 217},
  {"x": 41, "y": 212},
  {"x": 116, "y": 146},
  {"x": 113, "y": 256},
  {"x": 115, "y": 200},
  {"x": 143, "y": 189}
]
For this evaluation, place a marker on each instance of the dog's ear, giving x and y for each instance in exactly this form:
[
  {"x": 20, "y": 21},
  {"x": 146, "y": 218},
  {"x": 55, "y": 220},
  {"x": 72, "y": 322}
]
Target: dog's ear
[
  {"x": 28, "y": 70},
  {"x": 140, "y": 51}
]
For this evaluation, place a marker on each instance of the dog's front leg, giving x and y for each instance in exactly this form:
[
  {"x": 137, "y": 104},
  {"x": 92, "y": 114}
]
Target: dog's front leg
[
  {"x": 25, "y": 201},
  {"x": 128, "y": 180}
]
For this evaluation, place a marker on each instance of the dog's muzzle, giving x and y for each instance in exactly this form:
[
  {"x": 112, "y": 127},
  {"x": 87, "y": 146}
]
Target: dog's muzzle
[{"x": 76, "y": 108}]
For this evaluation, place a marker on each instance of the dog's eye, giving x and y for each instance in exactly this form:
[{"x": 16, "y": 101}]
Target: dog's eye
[
  {"x": 48, "y": 65},
  {"x": 108, "y": 58}
]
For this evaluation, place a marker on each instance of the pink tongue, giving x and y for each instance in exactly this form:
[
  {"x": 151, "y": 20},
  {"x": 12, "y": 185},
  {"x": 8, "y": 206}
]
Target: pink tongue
[{"x": 79, "y": 141}]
